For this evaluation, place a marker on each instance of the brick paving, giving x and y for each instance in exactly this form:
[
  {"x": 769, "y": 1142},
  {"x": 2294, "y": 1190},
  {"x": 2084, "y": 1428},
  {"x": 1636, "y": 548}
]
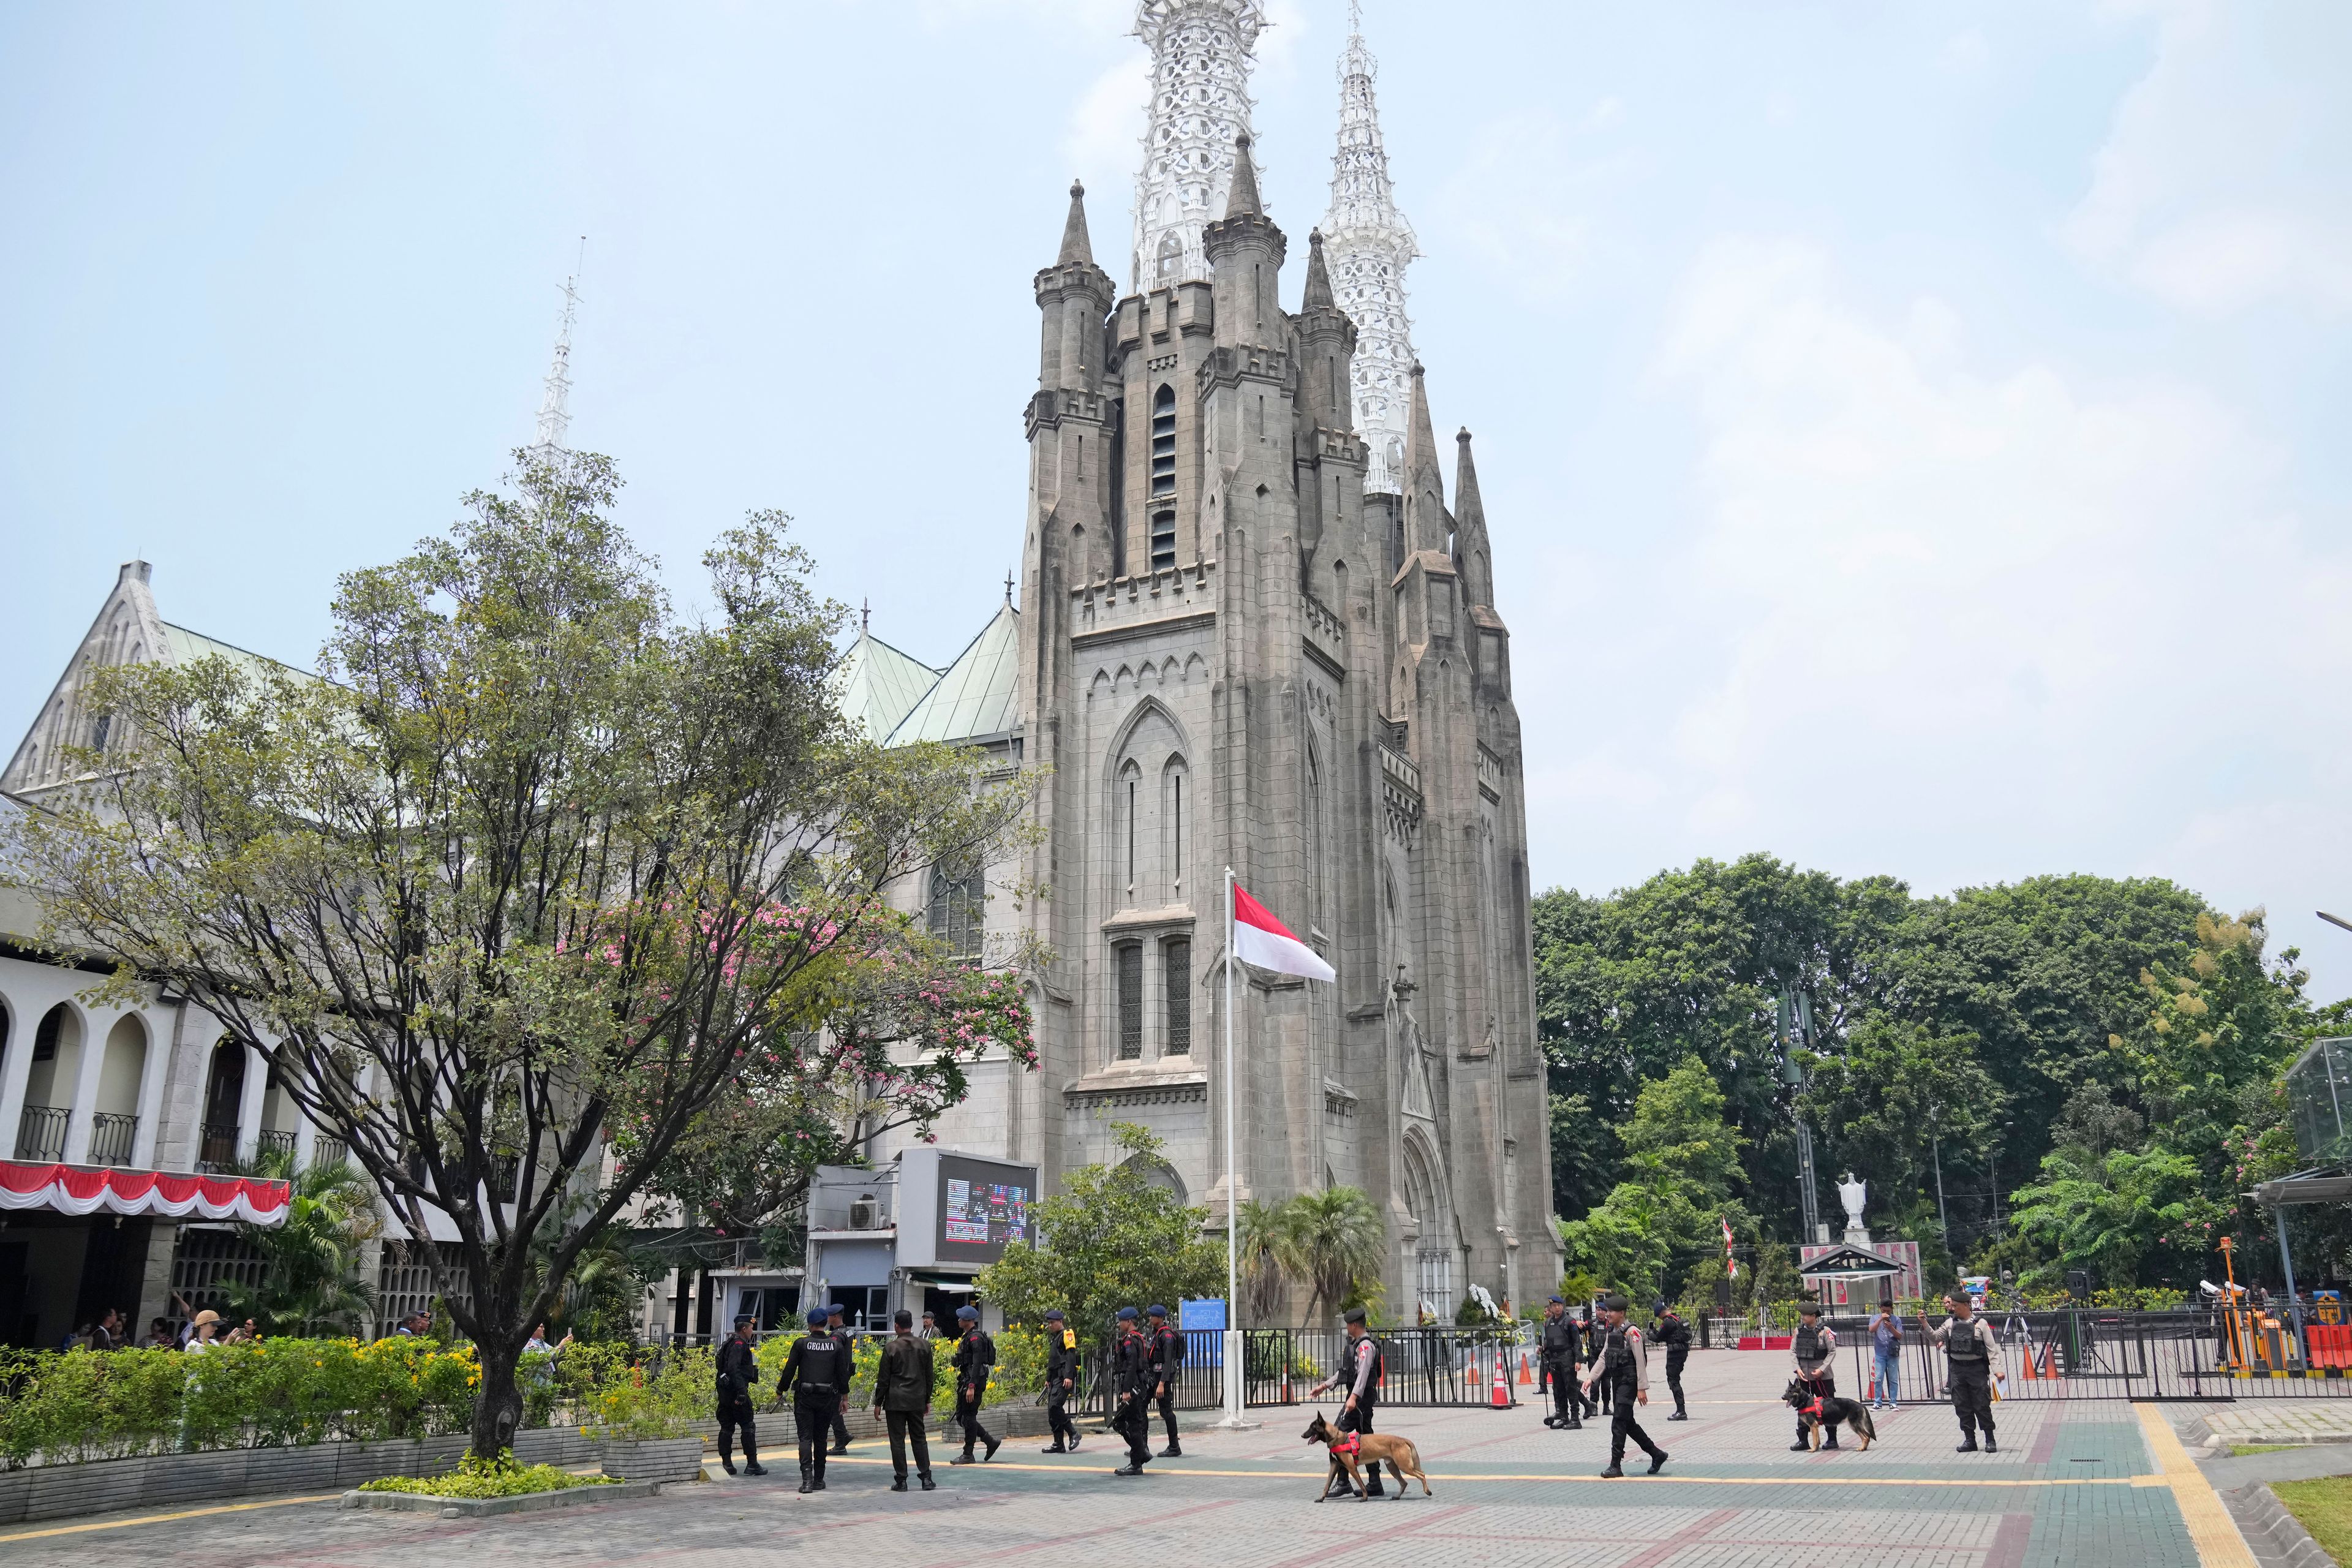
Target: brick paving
[{"x": 2074, "y": 1484}]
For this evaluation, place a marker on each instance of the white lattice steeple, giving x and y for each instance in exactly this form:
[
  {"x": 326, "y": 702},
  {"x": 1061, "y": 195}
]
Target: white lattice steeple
[
  {"x": 1200, "y": 105},
  {"x": 1367, "y": 244},
  {"x": 555, "y": 402}
]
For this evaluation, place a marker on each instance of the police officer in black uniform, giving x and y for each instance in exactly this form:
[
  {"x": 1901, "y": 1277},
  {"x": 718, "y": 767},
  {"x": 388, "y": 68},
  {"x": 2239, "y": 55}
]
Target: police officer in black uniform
[
  {"x": 1130, "y": 1367},
  {"x": 1360, "y": 1371},
  {"x": 739, "y": 1375},
  {"x": 1623, "y": 1361},
  {"x": 1669, "y": 1329},
  {"x": 832, "y": 1325},
  {"x": 816, "y": 1374},
  {"x": 1814, "y": 1345},
  {"x": 1968, "y": 1348},
  {"x": 1167, "y": 1356},
  {"x": 1560, "y": 1349},
  {"x": 976, "y": 1358},
  {"x": 1593, "y": 1333},
  {"x": 1061, "y": 1381}
]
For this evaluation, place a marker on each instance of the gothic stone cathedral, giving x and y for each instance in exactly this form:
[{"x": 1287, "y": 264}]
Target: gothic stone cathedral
[{"x": 1251, "y": 632}]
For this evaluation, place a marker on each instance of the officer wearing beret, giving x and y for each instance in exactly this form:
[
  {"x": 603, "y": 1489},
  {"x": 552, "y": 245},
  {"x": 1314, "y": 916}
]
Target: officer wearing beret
[
  {"x": 1358, "y": 1372},
  {"x": 976, "y": 1358},
  {"x": 1061, "y": 1381},
  {"x": 816, "y": 1374},
  {"x": 1668, "y": 1329},
  {"x": 1624, "y": 1363},
  {"x": 1131, "y": 1376},
  {"x": 1167, "y": 1355}
]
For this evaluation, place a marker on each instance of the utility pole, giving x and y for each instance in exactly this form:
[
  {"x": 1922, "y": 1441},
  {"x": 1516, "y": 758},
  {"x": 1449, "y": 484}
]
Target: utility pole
[
  {"x": 1943, "y": 1219},
  {"x": 1797, "y": 1030}
]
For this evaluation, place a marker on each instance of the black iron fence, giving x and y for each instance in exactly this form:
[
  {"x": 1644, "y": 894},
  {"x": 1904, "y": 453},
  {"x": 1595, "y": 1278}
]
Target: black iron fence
[
  {"x": 2087, "y": 1353},
  {"x": 1424, "y": 1367},
  {"x": 41, "y": 1132},
  {"x": 112, "y": 1136}
]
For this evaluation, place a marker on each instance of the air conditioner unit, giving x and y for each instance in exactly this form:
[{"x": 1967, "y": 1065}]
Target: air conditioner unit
[{"x": 864, "y": 1213}]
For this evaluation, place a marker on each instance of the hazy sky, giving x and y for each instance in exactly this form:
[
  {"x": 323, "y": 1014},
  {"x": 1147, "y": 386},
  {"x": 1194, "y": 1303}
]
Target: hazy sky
[{"x": 1914, "y": 437}]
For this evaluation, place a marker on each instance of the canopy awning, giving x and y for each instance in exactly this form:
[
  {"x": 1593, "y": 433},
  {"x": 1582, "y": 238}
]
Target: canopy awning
[
  {"x": 2304, "y": 1187},
  {"x": 82, "y": 1190},
  {"x": 1849, "y": 1263}
]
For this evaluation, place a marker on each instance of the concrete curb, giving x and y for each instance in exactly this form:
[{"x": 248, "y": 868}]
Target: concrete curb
[
  {"x": 484, "y": 1508},
  {"x": 2259, "y": 1512}
]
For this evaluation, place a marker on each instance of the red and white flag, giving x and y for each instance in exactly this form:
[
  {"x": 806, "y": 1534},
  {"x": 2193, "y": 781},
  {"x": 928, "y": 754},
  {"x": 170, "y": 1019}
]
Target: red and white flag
[
  {"x": 1260, "y": 939},
  {"x": 1730, "y": 1264}
]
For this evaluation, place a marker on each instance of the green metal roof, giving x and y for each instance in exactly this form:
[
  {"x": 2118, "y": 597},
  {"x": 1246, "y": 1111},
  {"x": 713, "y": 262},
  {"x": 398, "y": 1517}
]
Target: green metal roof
[
  {"x": 877, "y": 684},
  {"x": 186, "y": 647},
  {"x": 979, "y": 696}
]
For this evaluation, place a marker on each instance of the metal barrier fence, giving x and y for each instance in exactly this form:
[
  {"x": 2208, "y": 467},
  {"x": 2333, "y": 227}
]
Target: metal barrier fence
[
  {"x": 1422, "y": 1367},
  {"x": 2193, "y": 1353}
]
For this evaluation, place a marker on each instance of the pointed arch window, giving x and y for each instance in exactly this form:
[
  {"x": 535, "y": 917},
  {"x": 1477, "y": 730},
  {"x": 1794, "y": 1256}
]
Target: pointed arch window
[
  {"x": 955, "y": 910},
  {"x": 1170, "y": 260},
  {"x": 1128, "y": 959}
]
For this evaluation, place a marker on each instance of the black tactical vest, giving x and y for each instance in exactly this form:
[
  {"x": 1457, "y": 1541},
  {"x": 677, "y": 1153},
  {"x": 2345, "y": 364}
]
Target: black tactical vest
[
  {"x": 1808, "y": 1342},
  {"x": 1962, "y": 1344}
]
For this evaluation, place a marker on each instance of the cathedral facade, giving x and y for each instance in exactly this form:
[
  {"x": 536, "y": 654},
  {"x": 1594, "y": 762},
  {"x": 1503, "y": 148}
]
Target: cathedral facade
[{"x": 1252, "y": 632}]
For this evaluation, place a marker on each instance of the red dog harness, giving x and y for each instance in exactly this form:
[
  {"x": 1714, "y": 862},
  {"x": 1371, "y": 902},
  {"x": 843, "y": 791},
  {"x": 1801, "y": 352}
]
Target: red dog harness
[{"x": 1353, "y": 1443}]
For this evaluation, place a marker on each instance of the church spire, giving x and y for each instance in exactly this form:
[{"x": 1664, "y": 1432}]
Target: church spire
[
  {"x": 1200, "y": 56},
  {"x": 555, "y": 402},
  {"x": 1470, "y": 545},
  {"x": 1243, "y": 200},
  {"x": 1077, "y": 250},
  {"x": 1319, "y": 276},
  {"x": 1370, "y": 244},
  {"x": 1426, "y": 525}
]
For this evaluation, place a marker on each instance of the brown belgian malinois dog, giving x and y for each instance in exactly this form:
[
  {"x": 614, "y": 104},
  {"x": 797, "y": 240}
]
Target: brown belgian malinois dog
[{"x": 1373, "y": 1448}]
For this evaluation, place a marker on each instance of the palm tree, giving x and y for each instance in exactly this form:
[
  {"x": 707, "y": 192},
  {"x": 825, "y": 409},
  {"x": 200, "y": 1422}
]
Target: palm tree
[
  {"x": 1267, "y": 1257},
  {"x": 311, "y": 1260},
  {"x": 1336, "y": 1242}
]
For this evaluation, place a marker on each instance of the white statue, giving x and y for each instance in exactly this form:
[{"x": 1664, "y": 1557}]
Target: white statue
[{"x": 1851, "y": 1193}]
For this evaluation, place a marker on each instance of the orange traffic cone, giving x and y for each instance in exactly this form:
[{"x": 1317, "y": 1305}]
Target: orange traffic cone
[
  {"x": 1870, "y": 1395},
  {"x": 2033, "y": 1372},
  {"x": 1526, "y": 1378},
  {"x": 1502, "y": 1386}
]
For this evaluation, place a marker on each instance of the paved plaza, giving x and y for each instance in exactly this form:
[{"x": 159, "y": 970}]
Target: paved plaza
[{"x": 2087, "y": 1484}]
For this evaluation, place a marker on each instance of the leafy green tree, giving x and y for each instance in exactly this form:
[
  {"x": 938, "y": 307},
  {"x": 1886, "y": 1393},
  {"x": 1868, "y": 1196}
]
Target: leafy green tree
[
  {"x": 2111, "y": 1215},
  {"x": 1265, "y": 1259},
  {"x": 1895, "y": 1093},
  {"x": 1693, "y": 962},
  {"x": 1681, "y": 1158},
  {"x": 539, "y": 864},
  {"x": 1110, "y": 1238}
]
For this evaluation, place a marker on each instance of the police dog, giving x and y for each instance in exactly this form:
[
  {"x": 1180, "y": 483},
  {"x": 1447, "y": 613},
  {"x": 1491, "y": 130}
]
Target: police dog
[
  {"x": 1815, "y": 1410},
  {"x": 1375, "y": 1448}
]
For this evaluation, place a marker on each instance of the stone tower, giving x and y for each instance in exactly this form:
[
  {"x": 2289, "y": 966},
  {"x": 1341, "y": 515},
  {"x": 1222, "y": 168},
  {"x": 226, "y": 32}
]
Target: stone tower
[{"x": 1231, "y": 653}]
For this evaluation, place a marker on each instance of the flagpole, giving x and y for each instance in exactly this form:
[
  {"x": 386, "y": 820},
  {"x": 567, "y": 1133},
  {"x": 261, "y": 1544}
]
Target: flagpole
[{"x": 1233, "y": 1393}]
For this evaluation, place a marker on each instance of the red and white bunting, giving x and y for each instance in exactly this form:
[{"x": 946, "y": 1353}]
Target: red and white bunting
[
  {"x": 1260, "y": 939},
  {"x": 74, "y": 1190}
]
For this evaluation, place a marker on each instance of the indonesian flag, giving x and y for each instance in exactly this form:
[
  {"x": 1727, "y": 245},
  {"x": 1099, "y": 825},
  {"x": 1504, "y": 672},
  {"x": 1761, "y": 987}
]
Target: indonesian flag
[
  {"x": 1730, "y": 1264},
  {"x": 1260, "y": 939}
]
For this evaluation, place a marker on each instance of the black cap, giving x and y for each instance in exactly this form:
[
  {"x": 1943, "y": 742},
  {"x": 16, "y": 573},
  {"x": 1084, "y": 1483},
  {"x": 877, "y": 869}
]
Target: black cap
[
  {"x": 1055, "y": 1314},
  {"x": 1559, "y": 1300},
  {"x": 968, "y": 1314},
  {"x": 1353, "y": 1315},
  {"x": 1616, "y": 1304},
  {"x": 743, "y": 1320},
  {"x": 1809, "y": 1309}
]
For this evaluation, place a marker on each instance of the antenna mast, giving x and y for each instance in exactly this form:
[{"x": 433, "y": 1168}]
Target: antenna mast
[{"x": 555, "y": 403}]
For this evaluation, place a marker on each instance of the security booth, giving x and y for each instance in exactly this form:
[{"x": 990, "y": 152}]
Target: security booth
[
  {"x": 2319, "y": 1107},
  {"x": 914, "y": 1233}
]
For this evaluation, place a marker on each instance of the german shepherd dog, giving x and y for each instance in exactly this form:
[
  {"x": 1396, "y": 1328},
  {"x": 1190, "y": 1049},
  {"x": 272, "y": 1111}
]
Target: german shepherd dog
[
  {"x": 1374, "y": 1448},
  {"x": 1814, "y": 1410}
]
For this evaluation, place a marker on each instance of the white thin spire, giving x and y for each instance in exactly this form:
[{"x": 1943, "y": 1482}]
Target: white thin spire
[
  {"x": 555, "y": 403},
  {"x": 1200, "y": 105},
  {"x": 1367, "y": 244}
]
